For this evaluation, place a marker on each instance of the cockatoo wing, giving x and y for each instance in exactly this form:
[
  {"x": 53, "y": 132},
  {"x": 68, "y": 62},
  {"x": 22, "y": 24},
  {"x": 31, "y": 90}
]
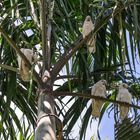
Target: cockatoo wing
[
  {"x": 91, "y": 44},
  {"x": 24, "y": 72},
  {"x": 95, "y": 104},
  {"x": 96, "y": 108},
  {"x": 123, "y": 112},
  {"x": 127, "y": 97}
]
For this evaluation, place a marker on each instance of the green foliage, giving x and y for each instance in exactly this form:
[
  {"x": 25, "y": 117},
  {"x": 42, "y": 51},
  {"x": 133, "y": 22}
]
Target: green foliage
[
  {"x": 117, "y": 45},
  {"x": 129, "y": 129}
]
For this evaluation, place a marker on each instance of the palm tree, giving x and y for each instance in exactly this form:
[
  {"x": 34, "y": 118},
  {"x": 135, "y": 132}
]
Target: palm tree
[{"x": 53, "y": 29}]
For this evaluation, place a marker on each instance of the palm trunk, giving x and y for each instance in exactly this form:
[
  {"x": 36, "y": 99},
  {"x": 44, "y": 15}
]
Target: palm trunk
[{"x": 46, "y": 128}]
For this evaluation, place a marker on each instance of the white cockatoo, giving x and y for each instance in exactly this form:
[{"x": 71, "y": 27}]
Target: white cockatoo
[
  {"x": 88, "y": 26},
  {"x": 124, "y": 96},
  {"x": 23, "y": 69},
  {"x": 98, "y": 89}
]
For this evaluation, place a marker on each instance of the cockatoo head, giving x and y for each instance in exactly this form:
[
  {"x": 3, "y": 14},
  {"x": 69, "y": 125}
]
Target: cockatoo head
[
  {"x": 88, "y": 18},
  {"x": 123, "y": 85},
  {"x": 103, "y": 82}
]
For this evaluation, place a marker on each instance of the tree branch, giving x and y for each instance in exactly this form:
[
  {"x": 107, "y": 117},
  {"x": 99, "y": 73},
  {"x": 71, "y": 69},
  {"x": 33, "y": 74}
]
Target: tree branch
[
  {"x": 56, "y": 94},
  {"x": 13, "y": 45},
  {"x": 43, "y": 32},
  {"x": 50, "y": 8},
  {"x": 49, "y": 29},
  {"x": 46, "y": 13},
  {"x": 33, "y": 13},
  {"x": 65, "y": 57}
]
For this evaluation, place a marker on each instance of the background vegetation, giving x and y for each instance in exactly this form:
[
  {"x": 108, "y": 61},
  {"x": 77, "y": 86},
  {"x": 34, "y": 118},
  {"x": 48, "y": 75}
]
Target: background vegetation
[{"x": 116, "y": 59}]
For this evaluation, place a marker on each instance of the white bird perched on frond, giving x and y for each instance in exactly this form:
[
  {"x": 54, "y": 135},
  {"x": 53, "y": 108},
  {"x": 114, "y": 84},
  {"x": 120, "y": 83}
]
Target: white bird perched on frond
[
  {"x": 88, "y": 26},
  {"x": 124, "y": 96},
  {"x": 23, "y": 69},
  {"x": 98, "y": 89}
]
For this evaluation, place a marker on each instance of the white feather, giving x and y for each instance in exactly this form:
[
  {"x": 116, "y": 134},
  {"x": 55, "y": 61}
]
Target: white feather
[
  {"x": 23, "y": 69},
  {"x": 88, "y": 26},
  {"x": 98, "y": 89},
  {"x": 124, "y": 96}
]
